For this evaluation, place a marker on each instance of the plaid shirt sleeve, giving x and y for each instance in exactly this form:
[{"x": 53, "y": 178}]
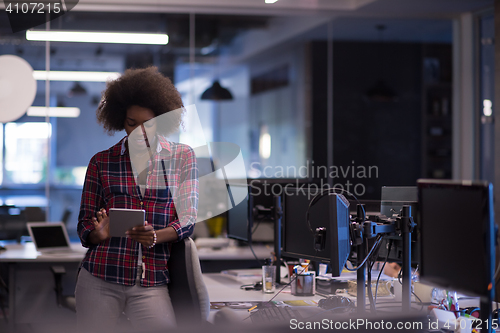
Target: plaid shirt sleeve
[
  {"x": 91, "y": 202},
  {"x": 186, "y": 200}
]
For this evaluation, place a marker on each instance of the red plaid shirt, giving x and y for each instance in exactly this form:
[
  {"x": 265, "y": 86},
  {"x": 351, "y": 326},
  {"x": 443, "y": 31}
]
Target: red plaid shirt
[{"x": 110, "y": 183}]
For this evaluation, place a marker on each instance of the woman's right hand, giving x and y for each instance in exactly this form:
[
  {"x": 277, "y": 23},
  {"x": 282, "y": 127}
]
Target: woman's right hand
[{"x": 101, "y": 223}]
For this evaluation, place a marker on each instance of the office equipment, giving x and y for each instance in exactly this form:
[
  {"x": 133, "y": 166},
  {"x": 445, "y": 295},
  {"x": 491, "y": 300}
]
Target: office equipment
[
  {"x": 392, "y": 201},
  {"x": 121, "y": 220},
  {"x": 331, "y": 212},
  {"x": 458, "y": 238},
  {"x": 49, "y": 237},
  {"x": 263, "y": 191},
  {"x": 239, "y": 217},
  {"x": 274, "y": 314}
]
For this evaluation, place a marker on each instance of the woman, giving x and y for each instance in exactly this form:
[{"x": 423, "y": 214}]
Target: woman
[{"x": 142, "y": 171}]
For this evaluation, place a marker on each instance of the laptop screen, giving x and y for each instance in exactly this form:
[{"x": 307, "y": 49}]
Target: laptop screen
[{"x": 48, "y": 235}]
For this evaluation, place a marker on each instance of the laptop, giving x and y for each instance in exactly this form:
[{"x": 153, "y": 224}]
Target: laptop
[{"x": 50, "y": 237}]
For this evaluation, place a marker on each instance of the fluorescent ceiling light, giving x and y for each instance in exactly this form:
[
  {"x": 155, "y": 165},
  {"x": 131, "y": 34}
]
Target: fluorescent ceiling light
[
  {"x": 97, "y": 37},
  {"x": 75, "y": 76},
  {"x": 271, "y": 1},
  {"x": 41, "y": 111}
]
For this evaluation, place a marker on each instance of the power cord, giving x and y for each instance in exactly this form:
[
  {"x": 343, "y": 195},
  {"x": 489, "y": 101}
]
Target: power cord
[
  {"x": 253, "y": 252},
  {"x": 382, "y": 269},
  {"x": 377, "y": 242}
]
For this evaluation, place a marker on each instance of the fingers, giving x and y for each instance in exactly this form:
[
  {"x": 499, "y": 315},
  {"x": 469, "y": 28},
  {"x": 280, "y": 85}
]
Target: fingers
[
  {"x": 143, "y": 228},
  {"x": 142, "y": 234},
  {"x": 101, "y": 214}
]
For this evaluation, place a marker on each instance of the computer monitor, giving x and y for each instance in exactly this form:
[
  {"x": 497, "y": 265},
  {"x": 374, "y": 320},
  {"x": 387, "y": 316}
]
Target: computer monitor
[
  {"x": 393, "y": 199},
  {"x": 330, "y": 212},
  {"x": 239, "y": 217},
  {"x": 457, "y": 235},
  {"x": 263, "y": 191}
]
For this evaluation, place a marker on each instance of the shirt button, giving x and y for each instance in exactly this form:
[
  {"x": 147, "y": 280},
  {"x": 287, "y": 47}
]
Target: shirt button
[
  {"x": 147, "y": 186},
  {"x": 143, "y": 257},
  {"x": 142, "y": 203},
  {"x": 149, "y": 172}
]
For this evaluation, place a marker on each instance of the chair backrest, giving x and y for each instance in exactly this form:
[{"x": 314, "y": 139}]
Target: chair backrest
[{"x": 187, "y": 289}]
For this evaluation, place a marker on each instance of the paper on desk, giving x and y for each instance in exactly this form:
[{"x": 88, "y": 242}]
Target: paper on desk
[
  {"x": 301, "y": 303},
  {"x": 237, "y": 305}
]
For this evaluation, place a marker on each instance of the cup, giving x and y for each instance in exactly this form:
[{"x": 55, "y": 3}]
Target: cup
[
  {"x": 395, "y": 288},
  {"x": 268, "y": 278},
  {"x": 304, "y": 284},
  {"x": 322, "y": 269}
]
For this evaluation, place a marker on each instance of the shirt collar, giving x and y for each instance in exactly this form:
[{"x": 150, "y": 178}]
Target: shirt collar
[{"x": 161, "y": 143}]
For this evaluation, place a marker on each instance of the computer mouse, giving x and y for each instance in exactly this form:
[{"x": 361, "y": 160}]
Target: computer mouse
[{"x": 333, "y": 302}]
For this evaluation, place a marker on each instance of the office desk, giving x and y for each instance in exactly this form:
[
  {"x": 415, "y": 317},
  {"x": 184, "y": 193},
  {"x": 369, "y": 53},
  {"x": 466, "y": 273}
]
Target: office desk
[
  {"x": 32, "y": 300},
  {"x": 213, "y": 261},
  {"x": 226, "y": 289}
]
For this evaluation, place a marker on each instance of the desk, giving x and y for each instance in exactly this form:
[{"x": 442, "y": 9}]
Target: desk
[
  {"x": 213, "y": 261},
  {"x": 32, "y": 300},
  {"x": 226, "y": 289}
]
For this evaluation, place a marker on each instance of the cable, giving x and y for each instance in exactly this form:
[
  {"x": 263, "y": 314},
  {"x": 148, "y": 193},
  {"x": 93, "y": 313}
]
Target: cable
[
  {"x": 369, "y": 277},
  {"x": 251, "y": 249},
  {"x": 289, "y": 283},
  {"x": 256, "y": 226},
  {"x": 367, "y": 256},
  {"x": 383, "y": 266}
]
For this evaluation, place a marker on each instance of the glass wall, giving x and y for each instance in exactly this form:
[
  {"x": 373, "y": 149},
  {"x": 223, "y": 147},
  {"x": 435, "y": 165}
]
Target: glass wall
[{"x": 275, "y": 69}]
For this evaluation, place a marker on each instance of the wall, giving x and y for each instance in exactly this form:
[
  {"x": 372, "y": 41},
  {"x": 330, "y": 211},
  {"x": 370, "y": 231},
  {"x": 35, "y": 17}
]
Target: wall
[{"x": 381, "y": 135}]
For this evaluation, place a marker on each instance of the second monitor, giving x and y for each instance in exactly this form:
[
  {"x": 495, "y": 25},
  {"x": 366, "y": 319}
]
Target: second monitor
[{"x": 299, "y": 238}]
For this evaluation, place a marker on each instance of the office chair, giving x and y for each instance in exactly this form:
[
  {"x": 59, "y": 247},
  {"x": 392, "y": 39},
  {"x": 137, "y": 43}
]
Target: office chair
[{"x": 187, "y": 289}]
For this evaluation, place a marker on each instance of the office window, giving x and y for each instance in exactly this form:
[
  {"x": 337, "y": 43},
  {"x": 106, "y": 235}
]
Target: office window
[{"x": 26, "y": 152}]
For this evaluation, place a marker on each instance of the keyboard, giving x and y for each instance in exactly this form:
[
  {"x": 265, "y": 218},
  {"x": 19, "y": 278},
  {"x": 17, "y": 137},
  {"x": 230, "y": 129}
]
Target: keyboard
[{"x": 274, "y": 314}]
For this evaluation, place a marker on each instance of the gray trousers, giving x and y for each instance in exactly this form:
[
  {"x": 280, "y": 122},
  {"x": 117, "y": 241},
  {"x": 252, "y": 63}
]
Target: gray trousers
[{"x": 100, "y": 306}]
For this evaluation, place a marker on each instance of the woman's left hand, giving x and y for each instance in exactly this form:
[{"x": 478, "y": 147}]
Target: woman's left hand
[{"x": 143, "y": 234}]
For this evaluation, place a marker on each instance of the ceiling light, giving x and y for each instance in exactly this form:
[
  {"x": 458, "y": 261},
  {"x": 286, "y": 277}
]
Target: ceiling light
[
  {"x": 271, "y": 1},
  {"x": 97, "y": 37},
  {"x": 217, "y": 93},
  {"x": 76, "y": 76},
  {"x": 41, "y": 111},
  {"x": 264, "y": 143}
]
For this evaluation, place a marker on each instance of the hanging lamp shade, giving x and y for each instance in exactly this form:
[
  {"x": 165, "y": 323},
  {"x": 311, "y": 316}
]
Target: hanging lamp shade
[
  {"x": 77, "y": 90},
  {"x": 381, "y": 91},
  {"x": 217, "y": 93}
]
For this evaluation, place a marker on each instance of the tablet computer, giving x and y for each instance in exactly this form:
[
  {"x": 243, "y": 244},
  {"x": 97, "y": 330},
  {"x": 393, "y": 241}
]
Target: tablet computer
[{"x": 121, "y": 220}]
